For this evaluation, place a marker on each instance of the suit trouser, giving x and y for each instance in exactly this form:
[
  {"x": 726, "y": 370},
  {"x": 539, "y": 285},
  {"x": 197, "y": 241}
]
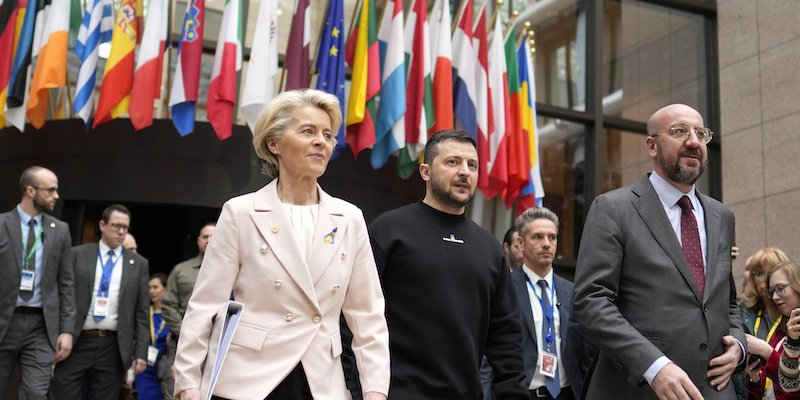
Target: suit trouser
[
  {"x": 26, "y": 343},
  {"x": 293, "y": 387},
  {"x": 95, "y": 358}
]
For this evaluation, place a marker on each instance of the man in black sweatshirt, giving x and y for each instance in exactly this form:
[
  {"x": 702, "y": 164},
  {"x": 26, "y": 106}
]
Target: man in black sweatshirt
[{"x": 449, "y": 299}]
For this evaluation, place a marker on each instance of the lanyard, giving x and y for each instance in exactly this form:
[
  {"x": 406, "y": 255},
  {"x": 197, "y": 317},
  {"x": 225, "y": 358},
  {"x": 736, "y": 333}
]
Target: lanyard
[
  {"x": 33, "y": 248},
  {"x": 102, "y": 291},
  {"x": 547, "y": 313},
  {"x": 772, "y": 330},
  {"x": 153, "y": 333}
]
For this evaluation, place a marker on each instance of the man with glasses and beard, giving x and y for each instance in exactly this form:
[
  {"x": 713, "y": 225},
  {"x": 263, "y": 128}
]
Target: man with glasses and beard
[
  {"x": 37, "y": 298},
  {"x": 449, "y": 299},
  {"x": 653, "y": 284}
]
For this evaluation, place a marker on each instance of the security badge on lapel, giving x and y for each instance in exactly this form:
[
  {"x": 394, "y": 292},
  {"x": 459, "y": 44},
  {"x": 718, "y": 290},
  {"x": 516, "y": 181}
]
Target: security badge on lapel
[
  {"x": 27, "y": 280},
  {"x": 547, "y": 364}
]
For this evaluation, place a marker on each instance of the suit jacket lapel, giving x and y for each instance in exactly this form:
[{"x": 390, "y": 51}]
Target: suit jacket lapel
[
  {"x": 127, "y": 265},
  {"x": 276, "y": 229},
  {"x": 48, "y": 236},
  {"x": 649, "y": 207},
  {"x": 15, "y": 233},
  {"x": 713, "y": 229},
  {"x": 563, "y": 312},
  {"x": 520, "y": 285},
  {"x": 326, "y": 242}
]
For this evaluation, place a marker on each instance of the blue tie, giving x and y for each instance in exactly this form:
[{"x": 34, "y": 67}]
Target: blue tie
[
  {"x": 553, "y": 384},
  {"x": 105, "y": 280}
]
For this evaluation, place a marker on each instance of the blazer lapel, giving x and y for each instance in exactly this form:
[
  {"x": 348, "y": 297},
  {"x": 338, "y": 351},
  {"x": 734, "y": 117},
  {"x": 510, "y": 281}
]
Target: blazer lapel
[
  {"x": 331, "y": 228},
  {"x": 564, "y": 297},
  {"x": 520, "y": 285},
  {"x": 275, "y": 228},
  {"x": 15, "y": 234},
  {"x": 649, "y": 207},
  {"x": 128, "y": 266},
  {"x": 48, "y": 234},
  {"x": 713, "y": 229}
]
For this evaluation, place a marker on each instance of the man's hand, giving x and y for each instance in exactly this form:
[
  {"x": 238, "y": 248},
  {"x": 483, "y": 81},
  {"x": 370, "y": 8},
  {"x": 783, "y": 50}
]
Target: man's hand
[
  {"x": 138, "y": 366},
  {"x": 672, "y": 383},
  {"x": 63, "y": 347},
  {"x": 374, "y": 396},
  {"x": 721, "y": 368},
  {"x": 189, "y": 394}
]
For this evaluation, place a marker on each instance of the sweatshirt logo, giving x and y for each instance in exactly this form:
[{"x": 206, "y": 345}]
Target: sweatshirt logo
[{"x": 453, "y": 239}]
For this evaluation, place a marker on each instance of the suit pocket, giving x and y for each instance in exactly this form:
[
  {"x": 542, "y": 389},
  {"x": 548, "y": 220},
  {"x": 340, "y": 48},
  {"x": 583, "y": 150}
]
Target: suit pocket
[
  {"x": 336, "y": 345},
  {"x": 250, "y": 336}
]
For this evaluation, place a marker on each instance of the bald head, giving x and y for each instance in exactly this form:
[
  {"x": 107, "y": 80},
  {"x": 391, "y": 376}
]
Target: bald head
[
  {"x": 667, "y": 116},
  {"x": 39, "y": 187},
  {"x": 130, "y": 243}
]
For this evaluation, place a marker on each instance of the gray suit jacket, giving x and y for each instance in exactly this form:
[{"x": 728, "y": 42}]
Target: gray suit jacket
[
  {"x": 133, "y": 331},
  {"x": 637, "y": 299},
  {"x": 58, "y": 294}
]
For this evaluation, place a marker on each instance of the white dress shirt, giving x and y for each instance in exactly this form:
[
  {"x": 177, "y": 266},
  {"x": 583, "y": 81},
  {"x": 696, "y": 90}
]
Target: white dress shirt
[{"x": 110, "y": 322}]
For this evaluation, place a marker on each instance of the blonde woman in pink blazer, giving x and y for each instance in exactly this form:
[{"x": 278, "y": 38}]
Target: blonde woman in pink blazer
[{"x": 296, "y": 258}]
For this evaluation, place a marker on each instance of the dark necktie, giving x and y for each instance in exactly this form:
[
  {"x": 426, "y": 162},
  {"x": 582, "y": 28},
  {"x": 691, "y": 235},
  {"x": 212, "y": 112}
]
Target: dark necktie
[
  {"x": 30, "y": 265},
  {"x": 690, "y": 240},
  {"x": 548, "y": 338}
]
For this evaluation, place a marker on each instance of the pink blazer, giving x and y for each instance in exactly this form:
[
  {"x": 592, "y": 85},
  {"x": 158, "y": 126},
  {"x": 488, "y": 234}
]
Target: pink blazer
[{"x": 291, "y": 307}]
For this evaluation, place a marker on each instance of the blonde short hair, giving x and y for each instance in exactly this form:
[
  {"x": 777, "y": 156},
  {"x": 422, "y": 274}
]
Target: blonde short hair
[
  {"x": 764, "y": 259},
  {"x": 275, "y": 118}
]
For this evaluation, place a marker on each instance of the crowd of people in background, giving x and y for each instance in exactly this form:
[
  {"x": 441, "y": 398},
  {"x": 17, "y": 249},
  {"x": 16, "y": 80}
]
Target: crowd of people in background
[{"x": 421, "y": 304}]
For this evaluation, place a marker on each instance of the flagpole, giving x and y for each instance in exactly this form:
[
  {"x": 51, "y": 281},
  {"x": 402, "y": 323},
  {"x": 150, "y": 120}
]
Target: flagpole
[
  {"x": 531, "y": 42},
  {"x": 319, "y": 38},
  {"x": 283, "y": 69},
  {"x": 353, "y": 20},
  {"x": 510, "y": 25},
  {"x": 524, "y": 33},
  {"x": 455, "y": 21},
  {"x": 69, "y": 97},
  {"x": 494, "y": 15}
]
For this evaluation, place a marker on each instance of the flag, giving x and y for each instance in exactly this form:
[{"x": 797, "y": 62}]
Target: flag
[
  {"x": 390, "y": 133},
  {"x": 483, "y": 99},
  {"x": 11, "y": 12},
  {"x": 442, "y": 74},
  {"x": 147, "y": 80},
  {"x": 51, "y": 65},
  {"x": 227, "y": 61},
  {"x": 518, "y": 169},
  {"x": 115, "y": 93},
  {"x": 296, "y": 62},
  {"x": 532, "y": 194},
  {"x": 498, "y": 138},
  {"x": 330, "y": 63},
  {"x": 18, "y": 83},
  {"x": 465, "y": 78},
  {"x": 364, "y": 58},
  {"x": 419, "y": 93},
  {"x": 186, "y": 83},
  {"x": 259, "y": 87},
  {"x": 95, "y": 29}
]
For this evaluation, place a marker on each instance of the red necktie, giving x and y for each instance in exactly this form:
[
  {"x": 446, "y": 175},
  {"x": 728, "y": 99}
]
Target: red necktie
[{"x": 690, "y": 240}]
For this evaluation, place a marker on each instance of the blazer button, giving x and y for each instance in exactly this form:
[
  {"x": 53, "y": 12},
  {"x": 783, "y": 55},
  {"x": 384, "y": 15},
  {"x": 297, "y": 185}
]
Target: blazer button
[
  {"x": 344, "y": 255},
  {"x": 278, "y": 283},
  {"x": 289, "y": 317},
  {"x": 703, "y": 346},
  {"x": 275, "y": 229},
  {"x": 316, "y": 318},
  {"x": 263, "y": 249},
  {"x": 334, "y": 288}
]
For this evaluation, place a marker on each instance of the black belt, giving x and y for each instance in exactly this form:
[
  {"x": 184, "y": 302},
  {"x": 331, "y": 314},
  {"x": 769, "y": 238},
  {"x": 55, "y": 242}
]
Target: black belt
[
  {"x": 28, "y": 310},
  {"x": 98, "y": 332},
  {"x": 541, "y": 393}
]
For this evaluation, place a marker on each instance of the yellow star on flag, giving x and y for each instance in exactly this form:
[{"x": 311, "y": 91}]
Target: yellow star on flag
[
  {"x": 335, "y": 32},
  {"x": 334, "y": 51}
]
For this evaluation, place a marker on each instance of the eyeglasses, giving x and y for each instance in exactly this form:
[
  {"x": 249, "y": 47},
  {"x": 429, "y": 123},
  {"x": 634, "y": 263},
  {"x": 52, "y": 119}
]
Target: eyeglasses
[
  {"x": 51, "y": 190},
  {"x": 118, "y": 227},
  {"x": 759, "y": 273},
  {"x": 682, "y": 133},
  {"x": 779, "y": 289}
]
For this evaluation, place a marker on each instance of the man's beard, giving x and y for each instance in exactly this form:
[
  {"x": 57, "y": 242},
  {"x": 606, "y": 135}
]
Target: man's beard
[
  {"x": 41, "y": 205},
  {"x": 677, "y": 172},
  {"x": 448, "y": 197}
]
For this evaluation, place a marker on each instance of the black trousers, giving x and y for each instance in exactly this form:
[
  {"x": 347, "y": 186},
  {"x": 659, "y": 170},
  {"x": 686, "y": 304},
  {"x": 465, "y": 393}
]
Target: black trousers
[{"x": 293, "y": 387}]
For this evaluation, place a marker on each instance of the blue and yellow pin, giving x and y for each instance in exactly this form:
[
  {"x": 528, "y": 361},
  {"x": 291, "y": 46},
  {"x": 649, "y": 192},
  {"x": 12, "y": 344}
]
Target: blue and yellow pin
[{"x": 330, "y": 236}]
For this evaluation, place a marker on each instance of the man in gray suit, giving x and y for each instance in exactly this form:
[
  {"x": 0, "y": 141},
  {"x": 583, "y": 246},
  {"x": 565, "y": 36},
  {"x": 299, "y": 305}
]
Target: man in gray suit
[
  {"x": 37, "y": 299},
  {"x": 112, "y": 327},
  {"x": 653, "y": 284}
]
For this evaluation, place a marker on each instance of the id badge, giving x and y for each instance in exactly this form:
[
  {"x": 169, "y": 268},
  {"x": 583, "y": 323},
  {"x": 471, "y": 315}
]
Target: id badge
[
  {"x": 100, "y": 306},
  {"x": 152, "y": 355},
  {"x": 548, "y": 363},
  {"x": 26, "y": 283}
]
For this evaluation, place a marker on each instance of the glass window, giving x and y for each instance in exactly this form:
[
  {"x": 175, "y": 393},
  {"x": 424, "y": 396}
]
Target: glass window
[
  {"x": 625, "y": 160},
  {"x": 652, "y": 56},
  {"x": 560, "y": 58},
  {"x": 562, "y": 151}
]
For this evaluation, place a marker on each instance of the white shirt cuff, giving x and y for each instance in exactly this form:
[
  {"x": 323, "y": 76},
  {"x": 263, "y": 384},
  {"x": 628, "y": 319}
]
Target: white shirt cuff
[{"x": 654, "y": 369}]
